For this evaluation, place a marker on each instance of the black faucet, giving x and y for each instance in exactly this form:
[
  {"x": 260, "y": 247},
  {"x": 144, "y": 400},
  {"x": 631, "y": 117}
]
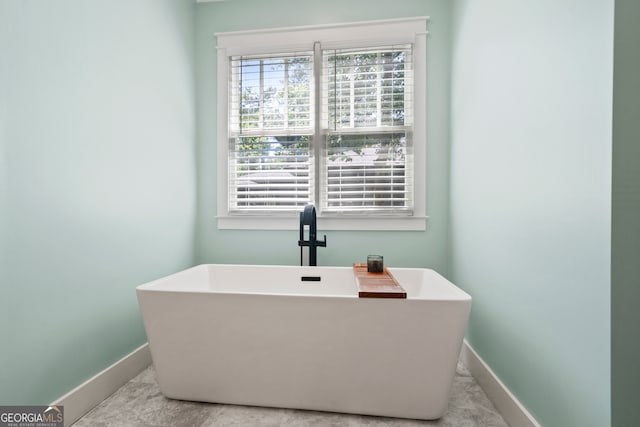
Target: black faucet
[{"x": 308, "y": 217}]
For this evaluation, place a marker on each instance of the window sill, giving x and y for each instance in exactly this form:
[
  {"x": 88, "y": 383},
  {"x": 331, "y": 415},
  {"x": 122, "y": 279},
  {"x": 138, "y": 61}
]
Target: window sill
[{"x": 291, "y": 222}]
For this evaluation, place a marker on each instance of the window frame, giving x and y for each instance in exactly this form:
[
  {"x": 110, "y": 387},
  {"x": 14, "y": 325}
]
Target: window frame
[
  {"x": 338, "y": 36},
  {"x": 253, "y": 163}
]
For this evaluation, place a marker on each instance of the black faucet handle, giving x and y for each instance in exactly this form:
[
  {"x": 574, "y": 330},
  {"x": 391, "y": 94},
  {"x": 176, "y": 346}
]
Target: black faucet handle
[
  {"x": 304, "y": 243},
  {"x": 323, "y": 242}
]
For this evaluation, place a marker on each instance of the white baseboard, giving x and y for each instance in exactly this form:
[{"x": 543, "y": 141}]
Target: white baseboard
[
  {"x": 89, "y": 394},
  {"x": 513, "y": 412}
]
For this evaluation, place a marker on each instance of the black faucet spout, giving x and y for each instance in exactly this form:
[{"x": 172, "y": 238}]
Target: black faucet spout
[{"x": 308, "y": 218}]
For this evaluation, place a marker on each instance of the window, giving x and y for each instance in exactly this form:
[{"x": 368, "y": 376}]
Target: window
[
  {"x": 270, "y": 132},
  {"x": 366, "y": 128},
  {"x": 305, "y": 119}
]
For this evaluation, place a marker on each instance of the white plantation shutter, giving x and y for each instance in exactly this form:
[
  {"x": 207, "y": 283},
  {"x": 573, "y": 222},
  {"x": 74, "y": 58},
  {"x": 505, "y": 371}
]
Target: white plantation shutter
[
  {"x": 271, "y": 119},
  {"x": 367, "y": 118}
]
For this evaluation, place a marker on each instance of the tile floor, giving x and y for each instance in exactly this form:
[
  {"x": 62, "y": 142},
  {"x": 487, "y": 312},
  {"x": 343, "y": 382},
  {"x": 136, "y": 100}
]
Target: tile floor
[{"x": 139, "y": 403}]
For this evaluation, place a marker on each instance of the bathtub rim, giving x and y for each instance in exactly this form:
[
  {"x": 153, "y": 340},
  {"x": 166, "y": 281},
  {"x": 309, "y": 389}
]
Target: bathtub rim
[{"x": 461, "y": 295}]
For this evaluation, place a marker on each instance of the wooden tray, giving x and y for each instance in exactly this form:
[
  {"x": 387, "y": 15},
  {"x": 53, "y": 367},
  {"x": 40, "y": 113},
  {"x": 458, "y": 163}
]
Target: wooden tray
[{"x": 377, "y": 285}]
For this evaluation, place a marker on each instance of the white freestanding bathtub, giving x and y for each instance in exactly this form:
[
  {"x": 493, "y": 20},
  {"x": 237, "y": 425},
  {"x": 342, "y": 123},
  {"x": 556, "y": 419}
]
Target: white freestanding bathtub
[{"x": 299, "y": 337}]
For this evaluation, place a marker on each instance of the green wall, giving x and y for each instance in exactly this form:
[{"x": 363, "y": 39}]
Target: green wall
[
  {"x": 97, "y": 158},
  {"x": 4, "y": 178},
  {"x": 531, "y": 198},
  {"x": 343, "y": 248},
  {"x": 625, "y": 250}
]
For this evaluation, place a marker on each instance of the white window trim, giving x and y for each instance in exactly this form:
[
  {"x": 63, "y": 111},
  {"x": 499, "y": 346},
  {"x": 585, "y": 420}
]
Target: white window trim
[{"x": 359, "y": 34}]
